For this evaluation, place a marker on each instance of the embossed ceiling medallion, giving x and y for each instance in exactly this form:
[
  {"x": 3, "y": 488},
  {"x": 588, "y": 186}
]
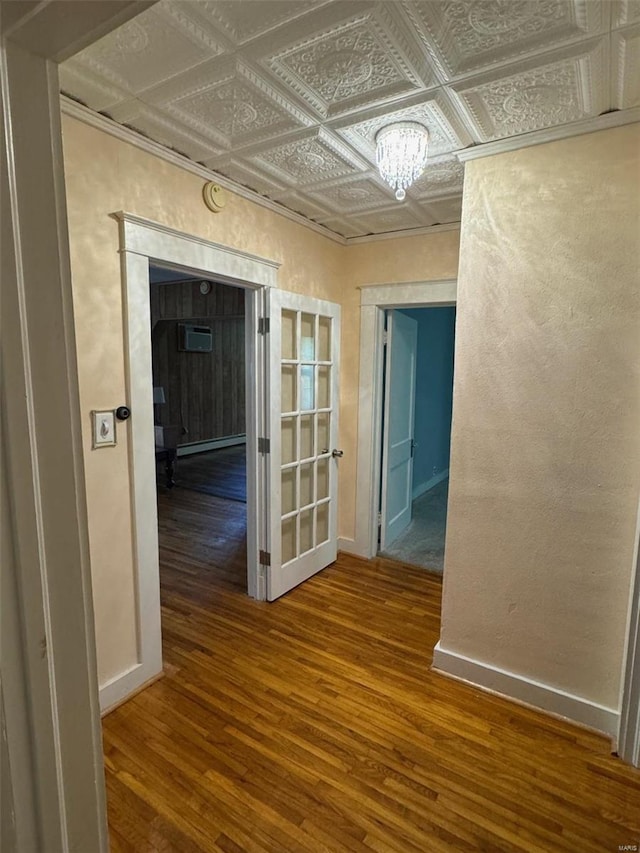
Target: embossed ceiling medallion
[{"x": 401, "y": 154}]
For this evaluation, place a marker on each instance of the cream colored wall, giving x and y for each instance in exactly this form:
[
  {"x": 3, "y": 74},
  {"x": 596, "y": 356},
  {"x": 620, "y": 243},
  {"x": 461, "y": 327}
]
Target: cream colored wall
[
  {"x": 104, "y": 175},
  {"x": 545, "y": 468},
  {"x": 405, "y": 259}
]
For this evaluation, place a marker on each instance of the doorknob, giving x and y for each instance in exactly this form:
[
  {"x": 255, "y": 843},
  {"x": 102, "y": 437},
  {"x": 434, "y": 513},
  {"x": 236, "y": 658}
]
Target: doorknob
[{"x": 337, "y": 454}]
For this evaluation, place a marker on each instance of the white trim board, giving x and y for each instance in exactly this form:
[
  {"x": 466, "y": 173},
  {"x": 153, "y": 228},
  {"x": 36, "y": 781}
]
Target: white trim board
[
  {"x": 78, "y": 111},
  {"x": 107, "y": 125},
  {"x": 431, "y": 483},
  {"x": 140, "y": 241},
  {"x": 405, "y": 232},
  {"x": 374, "y": 300},
  {"x": 534, "y": 693},
  {"x": 629, "y": 735},
  {"x": 347, "y": 545},
  {"x": 122, "y": 686},
  {"x": 619, "y": 118}
]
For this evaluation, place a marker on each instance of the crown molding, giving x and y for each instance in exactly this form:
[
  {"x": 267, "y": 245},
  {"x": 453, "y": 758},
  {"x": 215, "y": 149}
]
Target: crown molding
[
  {"x": 78, "y": 111},
  {"x": 407, "y": 232},
  {"x": 551, "y": 134}
]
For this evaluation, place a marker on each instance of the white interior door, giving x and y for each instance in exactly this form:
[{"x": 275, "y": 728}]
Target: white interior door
[
  {"x": 304, "y": 342},
  {"x": 399, "y": 409}
]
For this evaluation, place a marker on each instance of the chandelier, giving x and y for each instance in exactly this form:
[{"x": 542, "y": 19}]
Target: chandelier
[{"x": 401, "y": 154}]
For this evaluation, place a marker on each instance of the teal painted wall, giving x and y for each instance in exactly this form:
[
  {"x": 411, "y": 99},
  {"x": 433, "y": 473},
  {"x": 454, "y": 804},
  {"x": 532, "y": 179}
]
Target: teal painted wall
[{"x": 434, "y": 392}]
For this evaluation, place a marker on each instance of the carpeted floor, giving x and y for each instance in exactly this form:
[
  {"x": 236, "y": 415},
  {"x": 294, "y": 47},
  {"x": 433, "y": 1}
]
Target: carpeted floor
[
  {"x": 221, "y": 473},
  {"x": 422, "y": 543}
]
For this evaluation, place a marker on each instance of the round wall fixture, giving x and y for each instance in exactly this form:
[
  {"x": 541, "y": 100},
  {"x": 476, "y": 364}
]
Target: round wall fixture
[
  {"x": 205, "y": 287},
  {"x": 214, "y": 196}
]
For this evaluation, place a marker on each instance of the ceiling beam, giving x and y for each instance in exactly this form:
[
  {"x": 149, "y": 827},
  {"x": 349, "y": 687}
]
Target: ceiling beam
[{"x": 57, "y": 29}]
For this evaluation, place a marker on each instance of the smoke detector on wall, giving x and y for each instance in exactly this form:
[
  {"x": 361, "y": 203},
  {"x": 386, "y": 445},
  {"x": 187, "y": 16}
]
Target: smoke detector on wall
[{"x": 214, "y": 196}]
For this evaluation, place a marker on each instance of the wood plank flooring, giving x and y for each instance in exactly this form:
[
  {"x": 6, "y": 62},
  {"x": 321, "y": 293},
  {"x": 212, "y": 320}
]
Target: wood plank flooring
[
  {"x": 221, "y": 473},
  {"x": 314, "y": 724}
]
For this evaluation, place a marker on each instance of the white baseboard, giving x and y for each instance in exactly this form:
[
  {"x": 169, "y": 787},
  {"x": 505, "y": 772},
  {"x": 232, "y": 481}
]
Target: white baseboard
[
  {"x": 214, "y": 444},
  {"x": 122, "y": 686},
  {"x": 522, "y": 689},
  {"x": 429, "y": 484},
  {"x": 348, "y": 546}
]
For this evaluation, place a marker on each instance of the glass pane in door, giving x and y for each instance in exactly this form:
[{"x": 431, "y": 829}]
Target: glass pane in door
[
  {"x": 307, "y": 337},
  {"x": 306, "y": 436},
  {"x": 306, "y": 413},
  {"x": 289, "y": 345},
  {"x": 322, "y": 523},
  {"x": 324, "y": 338},
  {"x": 289, "y": 388},
  {"x": 306, "y": 530},
  {"x": 324, "y": 389}
]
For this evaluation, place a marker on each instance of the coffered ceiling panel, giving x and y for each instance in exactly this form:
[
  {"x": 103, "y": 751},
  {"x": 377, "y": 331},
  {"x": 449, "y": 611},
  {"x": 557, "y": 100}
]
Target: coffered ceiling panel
[
  {"x": 229, "y": 102},
  {"x": 567, "y": 88},
  {"x": 625, "y": 67},
  {"x": 444, "y": 210},
  {"x": 396, "y": 217},
  {"x": 89, "y": 87},
  {"x": 316, "y": 158},
  {"x": 353, "y": 196},
  {"x": 241, "y": 21},
  {"x": 166, "y": 129},
  {"x": 286, "y": 96},
  {"x": 625, "y": 12},
  {"x": 446, "y": 132},
  {"x": 155, "y": 46},
  {"x": 443, "y": 178},
  {"x": 354, "y": 63},
  {"x": 471, "y": 35}
]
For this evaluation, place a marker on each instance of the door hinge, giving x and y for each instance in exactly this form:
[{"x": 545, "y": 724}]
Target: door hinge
[
  {"x": 265, "y": 558},
  {"x": 379, "y": 519},
  {"x": 263, "y": 326},
  {"x": 264, "y": 445},
  {"x": 385, "y": 338}
]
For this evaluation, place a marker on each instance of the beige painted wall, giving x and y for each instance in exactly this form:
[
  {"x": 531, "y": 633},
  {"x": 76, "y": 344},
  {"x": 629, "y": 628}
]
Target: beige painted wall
[
  {"x": 394, "y": 261},
  {"x": 104, "y": 175},
  {"x": 545, "y": 468}
]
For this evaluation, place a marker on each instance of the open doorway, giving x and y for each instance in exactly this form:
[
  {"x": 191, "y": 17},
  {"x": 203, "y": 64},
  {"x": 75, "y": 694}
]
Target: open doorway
[
  {"x": 375, "y": 301},
  {"x": 198, "y": 367},
  {"x": 416, "y": 434}
]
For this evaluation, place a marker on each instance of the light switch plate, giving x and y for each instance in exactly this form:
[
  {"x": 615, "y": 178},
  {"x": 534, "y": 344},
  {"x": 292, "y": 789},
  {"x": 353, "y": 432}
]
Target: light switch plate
[{"x": 104, "y": 428}]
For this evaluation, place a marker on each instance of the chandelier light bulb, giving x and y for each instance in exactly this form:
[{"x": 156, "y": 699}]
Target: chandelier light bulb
[{"x": 401, "y": 154}]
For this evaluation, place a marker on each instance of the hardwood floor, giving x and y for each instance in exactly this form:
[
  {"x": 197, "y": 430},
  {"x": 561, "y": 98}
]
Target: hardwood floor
[
  {"x": 314, "y": 724},
  {"x": 221, "y": 473}
]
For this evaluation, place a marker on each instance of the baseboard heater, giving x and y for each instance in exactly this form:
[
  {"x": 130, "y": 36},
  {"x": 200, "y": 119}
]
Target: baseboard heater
[{"x": 212, "y": 444}]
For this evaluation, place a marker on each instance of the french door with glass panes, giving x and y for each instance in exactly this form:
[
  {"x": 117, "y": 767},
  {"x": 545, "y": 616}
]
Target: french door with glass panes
[{"x": 304, "y": 342}]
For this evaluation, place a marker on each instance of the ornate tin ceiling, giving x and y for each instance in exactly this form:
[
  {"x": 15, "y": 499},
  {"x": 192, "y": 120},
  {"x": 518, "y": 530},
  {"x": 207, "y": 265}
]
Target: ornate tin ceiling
[{"x": 286, "y": 96}]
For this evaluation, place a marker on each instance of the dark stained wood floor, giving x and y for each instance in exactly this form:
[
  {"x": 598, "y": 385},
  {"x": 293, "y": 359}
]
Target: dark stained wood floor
[
  {"x": 221, "y": 473},
  {"x": 314, "y": 723}
]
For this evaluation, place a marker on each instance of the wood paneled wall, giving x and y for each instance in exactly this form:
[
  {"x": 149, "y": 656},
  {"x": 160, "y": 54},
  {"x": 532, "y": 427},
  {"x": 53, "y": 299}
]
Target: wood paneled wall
[{"x": 204, "y": 392}]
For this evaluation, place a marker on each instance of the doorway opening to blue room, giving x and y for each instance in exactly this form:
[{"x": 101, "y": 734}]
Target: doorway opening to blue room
[{"x": 416, "y": 434}]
